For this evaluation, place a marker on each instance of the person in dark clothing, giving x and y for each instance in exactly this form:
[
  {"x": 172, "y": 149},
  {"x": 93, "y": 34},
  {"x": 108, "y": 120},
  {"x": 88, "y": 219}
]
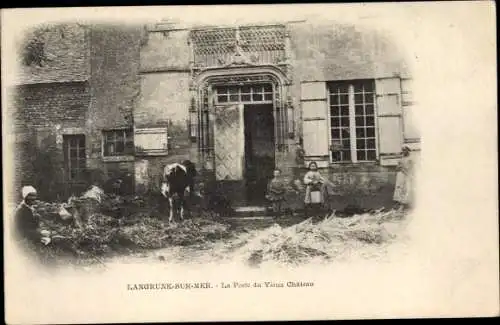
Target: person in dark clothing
[{"x": 26, "y": 222}]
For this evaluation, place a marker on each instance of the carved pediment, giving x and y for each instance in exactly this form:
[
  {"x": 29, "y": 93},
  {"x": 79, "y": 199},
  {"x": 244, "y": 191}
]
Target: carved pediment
[{"x": 238, "y": 46}]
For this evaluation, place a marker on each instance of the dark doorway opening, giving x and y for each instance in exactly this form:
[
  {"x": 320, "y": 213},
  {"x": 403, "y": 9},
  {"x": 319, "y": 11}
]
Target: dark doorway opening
[{"x": 259, "y": 150}]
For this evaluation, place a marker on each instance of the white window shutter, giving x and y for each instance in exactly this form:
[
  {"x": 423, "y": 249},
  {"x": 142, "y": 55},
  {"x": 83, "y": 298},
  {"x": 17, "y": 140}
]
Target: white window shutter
[
  {"x": 390, "y": 123},
  {"x": 410, "y": 130},
  {"x": 315, "y": 122},
  {"x": 151, "y": 141}
]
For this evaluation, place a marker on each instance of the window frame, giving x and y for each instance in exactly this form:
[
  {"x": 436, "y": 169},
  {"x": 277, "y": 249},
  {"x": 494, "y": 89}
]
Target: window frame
[
  {"x": 352, "y": 122},
  {"x": 240, "y": 93},
  {"x": 123, "y": 154},
  {"x": 68, "y": 166}
]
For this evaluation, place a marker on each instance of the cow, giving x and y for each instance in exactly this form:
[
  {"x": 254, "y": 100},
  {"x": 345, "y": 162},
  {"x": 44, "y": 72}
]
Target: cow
[{"x": 178, "y": 186}]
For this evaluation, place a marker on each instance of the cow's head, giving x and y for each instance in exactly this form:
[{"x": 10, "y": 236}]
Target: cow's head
[{"x": 190, "y": 168}]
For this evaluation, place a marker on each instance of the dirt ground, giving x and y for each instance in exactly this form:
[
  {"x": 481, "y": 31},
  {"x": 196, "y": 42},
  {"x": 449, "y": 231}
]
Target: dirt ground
[{"x": 136, "y": 230}]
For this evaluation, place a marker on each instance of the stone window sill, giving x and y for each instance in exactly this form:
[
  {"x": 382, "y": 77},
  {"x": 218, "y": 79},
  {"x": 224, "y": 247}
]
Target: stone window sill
[
  {"x": 117, "y": 158},
  {"x": 161, "y": 152},
  {"x": 358, "y": 167}
]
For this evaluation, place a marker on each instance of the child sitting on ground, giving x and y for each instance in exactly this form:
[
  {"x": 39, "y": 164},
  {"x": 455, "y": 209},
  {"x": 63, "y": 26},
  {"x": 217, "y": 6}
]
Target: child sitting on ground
[{"x": 276, "y": 192}]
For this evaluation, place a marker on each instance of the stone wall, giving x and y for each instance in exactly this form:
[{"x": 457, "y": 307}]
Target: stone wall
[
  {"x": 66, "y": 52},
  {"x": 43, "y": 113}
]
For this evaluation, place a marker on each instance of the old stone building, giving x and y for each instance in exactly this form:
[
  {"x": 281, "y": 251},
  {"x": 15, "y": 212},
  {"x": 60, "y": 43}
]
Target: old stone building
[
  {"x": 79, "y": 89},
  {"x": 236, "y": 100}
]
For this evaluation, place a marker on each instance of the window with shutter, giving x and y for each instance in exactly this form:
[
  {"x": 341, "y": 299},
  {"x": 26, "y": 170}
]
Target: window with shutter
[
  {"x": 389, "y": 120},
  {"x": 352, "y": 121},
  {"x": 315, "y": 122}
]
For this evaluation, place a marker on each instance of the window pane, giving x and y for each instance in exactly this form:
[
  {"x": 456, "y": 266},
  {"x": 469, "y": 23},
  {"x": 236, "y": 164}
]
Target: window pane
[
  {"x": 361, "y": 155},
  {"x": 358, "y": 98},
  {"x": 359, "y": 110},
  {"x": 360, "y": 121},
  {"x": 268, "y": 88},
  {"x": 336, "y": 156},
  {"x": 358, "y": 87},
  {"x": 369, "y": 86},
  {"x": 370, "y": 132},
  {"x": 345, "y": 133},
  {"x": 369, "y": 109},
  {"x": 360, "y": 133},
  {"x": 346, "y": 155},
  {"x": 363, "y": 86},
  {"x": 344, "y": 99},
  {"x": 110, "y": 149},
  {"x": 344, "y": 110},
  {"x": 221, "y": 90},
  {"x": 360, "y": 144},
  {"x": 335, "y": 133},
  {"x": 334, "y": 100},
  {"x": 335, "y": 110},
  {"x": 369, "y": 99},
  {"x": 233, "y": 98},
  {"x": 346, "y": 143},
  {"x": 245, "y": 97},
  {"x": 222, "y": 99},
  {"x": 129, "y": 145},
  {"x": 339, "y": 87},
  {"x": 371, "y": 155},
  {"x": 245, "y": 89},
  {"x": 345, "y": 121},
  {"x": 257, "y": 97},
  {"x": 335, "y": 121},
  {"x": 233, "y": 90},
  {"x": 120, "y": 147},
  {"x": 81, "y": 142},
  {"x": 370, "y": 121},
  {"x": 268, "y": 96},
  {"x": 370, "y": 143},
  {"x": 73, "y": 153}
]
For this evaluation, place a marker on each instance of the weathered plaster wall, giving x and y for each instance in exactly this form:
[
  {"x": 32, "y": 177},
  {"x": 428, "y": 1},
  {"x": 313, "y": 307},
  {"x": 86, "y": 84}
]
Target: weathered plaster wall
[
  {"x": 165, "y": 51},
  {"x": 164, "y": 100},
  {"x": 115, "y": 86},
  {"x": 330, "y": 51}
]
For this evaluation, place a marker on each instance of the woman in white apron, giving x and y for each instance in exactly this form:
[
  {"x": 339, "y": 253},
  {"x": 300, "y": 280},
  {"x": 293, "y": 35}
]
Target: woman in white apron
[{"x": 403, "y": 192}]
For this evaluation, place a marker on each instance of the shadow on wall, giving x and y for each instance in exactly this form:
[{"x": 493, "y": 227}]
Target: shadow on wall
[{"x": 42, "y": 167}]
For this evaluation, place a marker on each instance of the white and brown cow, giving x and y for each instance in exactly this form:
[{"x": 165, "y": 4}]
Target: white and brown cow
[{"x": 178, "y": 186}]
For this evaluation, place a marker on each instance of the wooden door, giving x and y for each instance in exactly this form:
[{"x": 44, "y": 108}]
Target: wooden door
[{"x": 229, "y": 142}]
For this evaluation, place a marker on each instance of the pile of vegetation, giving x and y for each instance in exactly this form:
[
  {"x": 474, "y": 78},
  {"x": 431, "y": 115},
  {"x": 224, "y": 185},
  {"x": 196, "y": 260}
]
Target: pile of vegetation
[
  {"x": 103, "y": 234},
  {"x": 365, "y": 235}
]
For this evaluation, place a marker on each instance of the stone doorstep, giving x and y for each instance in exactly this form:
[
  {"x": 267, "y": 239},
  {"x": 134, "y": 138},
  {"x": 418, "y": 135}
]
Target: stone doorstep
[
  {"x": 251, "y": 213},
  {"x": 250, "y": 209}
]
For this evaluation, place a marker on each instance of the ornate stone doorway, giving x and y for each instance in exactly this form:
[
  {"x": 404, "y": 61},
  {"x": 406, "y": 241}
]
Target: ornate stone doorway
[
  {"x": 241, "y": 113},
  {"x": 242, "y": 123}
]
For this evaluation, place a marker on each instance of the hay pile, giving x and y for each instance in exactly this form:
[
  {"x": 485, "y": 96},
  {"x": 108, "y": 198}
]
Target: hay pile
[
  {"x": 102, "y": 235},
  {"x": 365, "y": 235},
  {"x": 150, "y": 233}
]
